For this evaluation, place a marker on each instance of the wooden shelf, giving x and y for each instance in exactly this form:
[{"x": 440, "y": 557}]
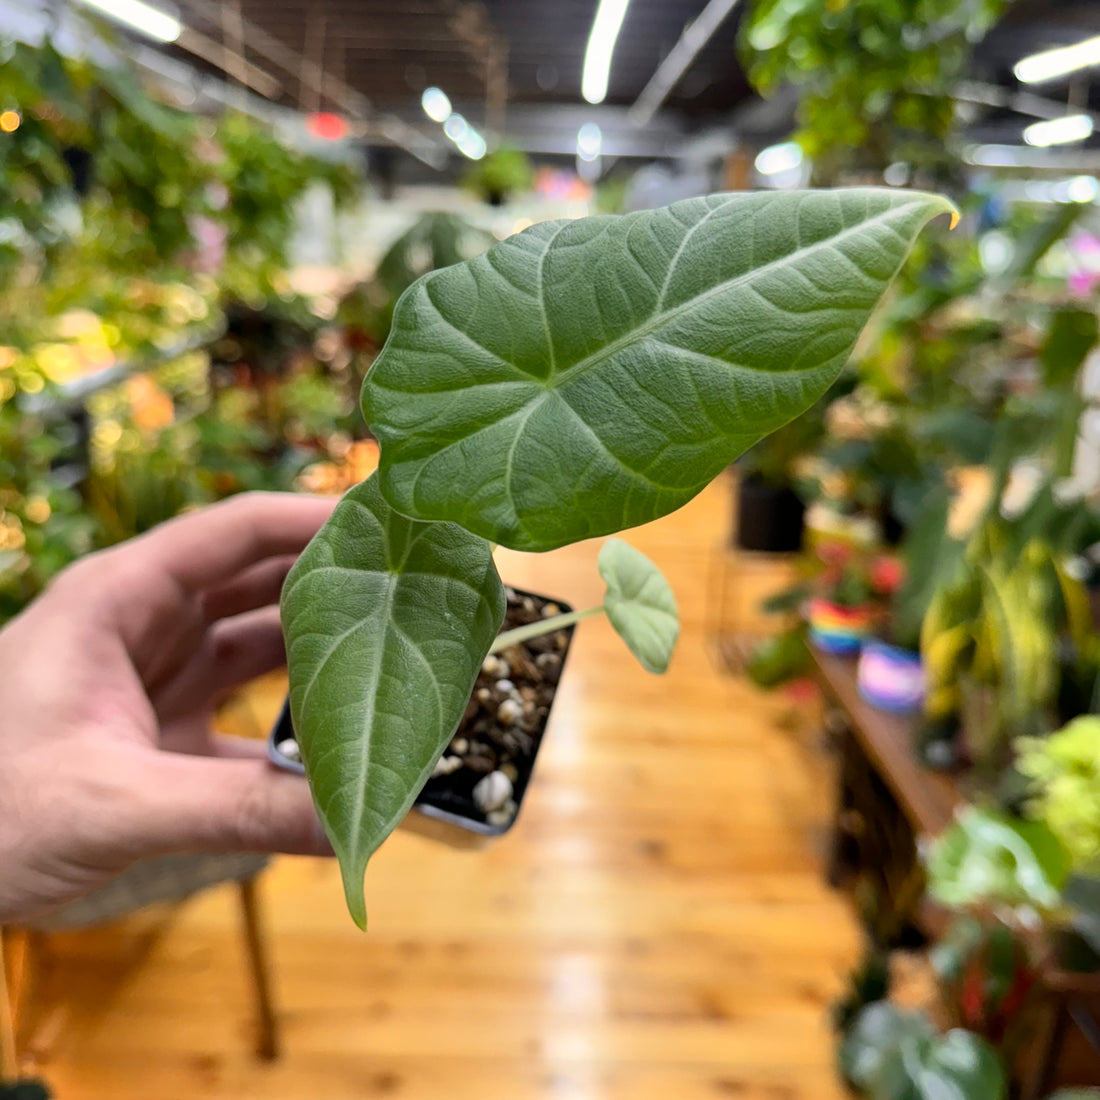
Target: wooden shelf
[{"x": 928, "y": 798}]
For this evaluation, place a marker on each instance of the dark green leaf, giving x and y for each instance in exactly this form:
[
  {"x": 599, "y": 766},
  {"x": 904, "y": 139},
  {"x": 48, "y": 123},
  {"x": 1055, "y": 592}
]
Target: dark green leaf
[
  {"x": 986, "y": 858},
  {"x": 1082, "y": 893},
  {"x": 387, "y": 622},
  {"x": 776, "y": 660},
  {"x": 588, "y": 376},
  {"x": 1039, "y": 240},
  {"x": 957, "y": 1066},
  {"x": 640, "y": 604},
  {"x": 877, "y": 1031},
  {"x": 1071, "y": 336}
]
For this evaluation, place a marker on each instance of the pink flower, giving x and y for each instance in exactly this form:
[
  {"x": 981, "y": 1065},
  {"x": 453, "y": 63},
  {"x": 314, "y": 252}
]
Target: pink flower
[{"x": 1083, "y": 283}]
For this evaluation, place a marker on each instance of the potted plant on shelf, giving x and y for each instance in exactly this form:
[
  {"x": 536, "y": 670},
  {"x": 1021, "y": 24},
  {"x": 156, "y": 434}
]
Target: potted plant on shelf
[
  {"x": 890, "y": 673},
  {"x": 504, "y": 172},
  {"x": 1023, "y": 934},
  {"x": 577, "y": 379},
  {"x": 769, "y": 510},
  {"x": 436, "y": 239},
  {"x": 844, "y": 612},
  {"x": 850, "y": 596}
]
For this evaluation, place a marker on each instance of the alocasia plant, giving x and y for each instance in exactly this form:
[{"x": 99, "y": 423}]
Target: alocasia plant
[{"x": 577, "y": 379}]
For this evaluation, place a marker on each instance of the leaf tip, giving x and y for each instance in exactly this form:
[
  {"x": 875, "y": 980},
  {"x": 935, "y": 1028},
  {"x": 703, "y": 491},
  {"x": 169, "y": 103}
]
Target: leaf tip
[{"x": 352, "y": 873}]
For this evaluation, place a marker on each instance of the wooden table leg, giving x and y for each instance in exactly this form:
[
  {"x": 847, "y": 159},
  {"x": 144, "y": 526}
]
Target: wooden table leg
[
  {"x": 267, "y": 1045},
  {"x": 843, "y": 858}
]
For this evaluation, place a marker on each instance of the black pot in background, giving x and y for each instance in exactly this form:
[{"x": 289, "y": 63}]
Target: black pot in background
[
  {"x": 81, "y": 166},
  {"x": 769, "y": 518}
]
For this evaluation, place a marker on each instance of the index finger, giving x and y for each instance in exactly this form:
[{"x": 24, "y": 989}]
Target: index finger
[{"x": 207, "y": 548}]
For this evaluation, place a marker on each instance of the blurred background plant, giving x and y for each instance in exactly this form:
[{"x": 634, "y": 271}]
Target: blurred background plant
[{"x": 878, "y": 79}]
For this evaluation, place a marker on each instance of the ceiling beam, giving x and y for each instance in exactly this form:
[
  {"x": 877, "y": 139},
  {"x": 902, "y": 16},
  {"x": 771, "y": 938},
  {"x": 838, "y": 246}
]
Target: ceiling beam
[{"x": 695, "y": 36}]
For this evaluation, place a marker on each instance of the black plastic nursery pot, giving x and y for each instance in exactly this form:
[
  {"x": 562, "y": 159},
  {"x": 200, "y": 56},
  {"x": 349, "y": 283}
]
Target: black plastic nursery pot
[
  {"x": 500, "y": 733},
  {"x": 769, "y": 517}
]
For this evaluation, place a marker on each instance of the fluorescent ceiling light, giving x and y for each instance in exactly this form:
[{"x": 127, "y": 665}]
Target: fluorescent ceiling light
[
  {"x": 455, "y": 128},
  {"x": 779, "y": 158},
  {"x": 150, "y": 21},
  {"x": 472, "y": 144},
  {"x": 1059, "y": 131},
  {"x": 1083, "y": 189},
  {"x": 1054, "y": 63},
  {"x": 436, "y": 104},
  {"x": 601, "y": 45},
  {"x": 589, "y": 141},
  {"x": 997, "y": 156}
]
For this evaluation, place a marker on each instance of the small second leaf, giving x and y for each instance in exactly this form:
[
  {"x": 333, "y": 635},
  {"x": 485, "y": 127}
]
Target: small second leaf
[{"x": 640, "y": 604}]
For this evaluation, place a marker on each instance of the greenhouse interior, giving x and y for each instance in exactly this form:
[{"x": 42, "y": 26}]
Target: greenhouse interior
[{"x": 344, "y": 758}]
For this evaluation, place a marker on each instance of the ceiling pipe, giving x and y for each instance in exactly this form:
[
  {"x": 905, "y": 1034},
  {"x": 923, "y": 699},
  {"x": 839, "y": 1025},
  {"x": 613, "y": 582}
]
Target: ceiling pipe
[
  {"x": 694, "y": 37},
  {"x": 1023, "y": 103},
  {"x": 353, "y": 102}
]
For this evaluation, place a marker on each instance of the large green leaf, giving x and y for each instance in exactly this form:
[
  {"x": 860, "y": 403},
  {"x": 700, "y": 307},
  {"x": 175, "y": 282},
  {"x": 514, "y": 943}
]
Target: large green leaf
[
  {"x": 957, "y": 1066},
  {"x": 878, "y": 1029},
  {"x": 894, "y": 1054},
  {"x": 1071, "y": 336},
  {"x": 387, "y": 622},
  {"x": 587, "y": 376},
  {"x": 640, "y": 604},
  {"x": 985, "y": 858}
]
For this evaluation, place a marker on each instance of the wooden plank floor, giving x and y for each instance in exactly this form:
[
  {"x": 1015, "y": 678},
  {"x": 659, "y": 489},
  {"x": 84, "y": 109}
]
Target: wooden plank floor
[{"x": 655, "y": 926}]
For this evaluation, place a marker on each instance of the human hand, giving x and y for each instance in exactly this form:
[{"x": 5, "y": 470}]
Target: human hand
[{"x": 108, "y": 684}]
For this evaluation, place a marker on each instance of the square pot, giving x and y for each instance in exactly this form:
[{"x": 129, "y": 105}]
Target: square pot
[{"x": 484, "y": 742}]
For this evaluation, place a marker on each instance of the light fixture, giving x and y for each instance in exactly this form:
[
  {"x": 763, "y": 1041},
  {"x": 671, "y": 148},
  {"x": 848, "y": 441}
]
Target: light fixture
[
  {"x": 455, "y": 128},
  {"x": 996, "y": 156},
  {"x": 589, "y": 141},
  {"x": 436, "y": 104},
  {"x": 9, "y": 121},
  {"x": 1059, "y": 131},
  {"x": 784, "y": 157},
  {"x": 472, "y": 144},
  {"x": 1051, "y": 64},
  {"x": 1083, "y": 189},
  {"x": 601, "y": 45},
  {"x": 150, "y": 21}
]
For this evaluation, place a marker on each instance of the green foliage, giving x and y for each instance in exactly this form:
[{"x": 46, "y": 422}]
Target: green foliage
[
  {"x": 891, "y": 1054},
  {"x": 1001, "y": 615},
  {"x": 145, "y": 175},
  {"x": 869, "y": 982},
  {"x": 504, "y": 172},
  {"x": 43, "y": 527},
  {"x": 433, "y": 241},
  {"x": 1065, "y": 772},
  {"x": 578, "y": 378},
  {"x": 555, "y": 403},
  {"x": 774, "y": 459},
  {"x": 876, "y": 1030},
  {"x": 639, "y": 604},
  {"x": 986, "y": 859},
  {"x": 387, "y": 623},
  {"x": 776, "y": 660},
  {"x": 876, "y": 77},
  {"x": 262, "y": 182}
]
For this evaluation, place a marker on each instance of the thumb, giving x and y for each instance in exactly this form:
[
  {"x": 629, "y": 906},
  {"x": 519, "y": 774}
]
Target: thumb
[{"x": 219, "y": 804}]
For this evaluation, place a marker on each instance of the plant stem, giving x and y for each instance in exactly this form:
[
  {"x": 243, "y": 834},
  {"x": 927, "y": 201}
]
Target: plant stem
[{"x": 546, "y": 626}]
